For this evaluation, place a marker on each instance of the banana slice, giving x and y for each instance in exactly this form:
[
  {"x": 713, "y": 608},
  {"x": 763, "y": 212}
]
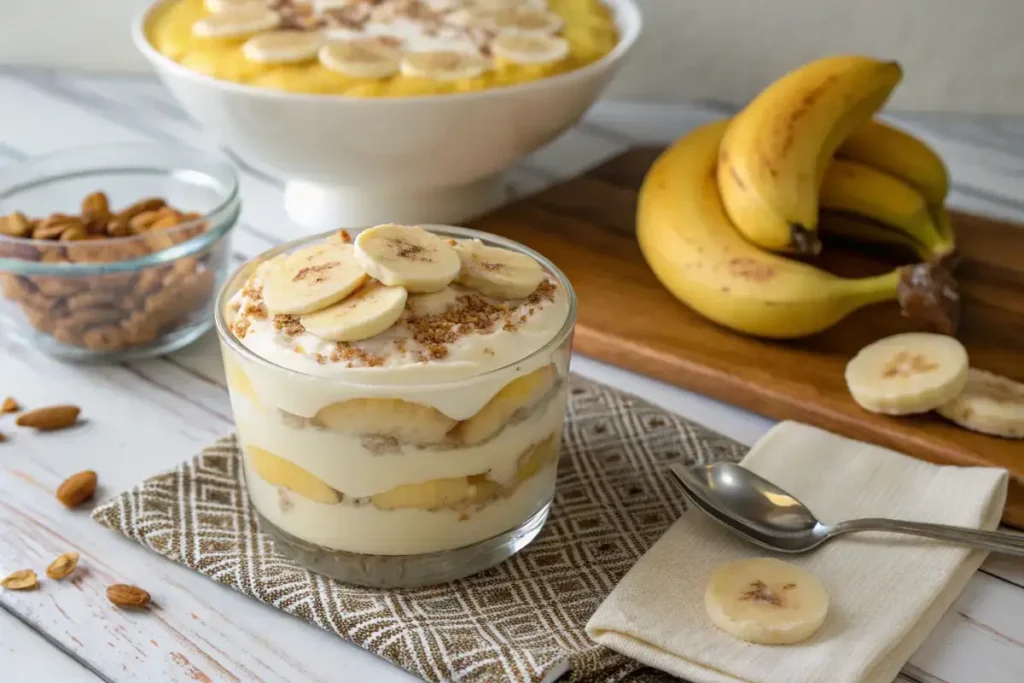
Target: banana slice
[
  {"x": 989, "y": 404},
  {"x": 530, "y": 49},
  {"x": 241, "y": 20},
  {"x": 238, "y": 381},
  {"x": 371, "y": 310},
  {"x": 361, "y": 58},
  {"x": 766, "y": 601},
  {"x": 405, "y": 421},
  {"x": 281, "y": 47},
  {"x": 519, "y": 394},
  {"x": 439, "y": 493},
  {"x": 407, "y": 256},
  {"x": 907, "y": 373},
  {"x": 276, "y": 470},
  {"x": 443, "y": 65},
  {"x": 496, "y": 272},
  {"x": 313, "y": 278},
  {"x": 222, "y": 5},
  {"x": 523, "y": 21}
]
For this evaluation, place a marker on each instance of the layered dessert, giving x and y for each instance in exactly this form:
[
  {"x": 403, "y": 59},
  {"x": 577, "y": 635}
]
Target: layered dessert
[
  {"x": 400, "y": 393},
  {"x": 382, "y": 48}
]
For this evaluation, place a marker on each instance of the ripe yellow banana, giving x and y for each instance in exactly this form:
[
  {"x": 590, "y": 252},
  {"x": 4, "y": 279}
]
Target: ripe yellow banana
[
  {"x": 775, "y": 151},
  {"x": 850, "y": 187},
  {"x": 900, "y": 154},
  {"x": 695, "y": 251},
  {"x": 860, "y": 230}
]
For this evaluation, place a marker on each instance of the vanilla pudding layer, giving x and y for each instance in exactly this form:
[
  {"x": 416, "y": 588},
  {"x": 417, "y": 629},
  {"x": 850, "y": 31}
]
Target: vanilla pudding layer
[
  {"x": 366, "y": 529},
  {"x": 361, "y": 465}
]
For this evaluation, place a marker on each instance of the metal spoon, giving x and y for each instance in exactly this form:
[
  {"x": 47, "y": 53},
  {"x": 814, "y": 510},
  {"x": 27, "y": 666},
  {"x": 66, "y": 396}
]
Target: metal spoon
[{"x": 765, "y": 514}]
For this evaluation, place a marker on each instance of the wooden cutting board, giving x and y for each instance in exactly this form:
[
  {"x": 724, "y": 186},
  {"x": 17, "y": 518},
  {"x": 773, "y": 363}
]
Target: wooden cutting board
[{"x": 586, "y": 226}]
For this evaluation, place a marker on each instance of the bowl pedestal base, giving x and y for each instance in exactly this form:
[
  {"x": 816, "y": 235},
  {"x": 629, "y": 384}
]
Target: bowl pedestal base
[{"x": 316, "y": 207}]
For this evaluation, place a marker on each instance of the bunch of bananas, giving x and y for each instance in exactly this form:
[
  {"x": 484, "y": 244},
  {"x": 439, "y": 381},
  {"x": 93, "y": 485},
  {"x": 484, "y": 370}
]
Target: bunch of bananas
[{"x": 721, "y": 206}]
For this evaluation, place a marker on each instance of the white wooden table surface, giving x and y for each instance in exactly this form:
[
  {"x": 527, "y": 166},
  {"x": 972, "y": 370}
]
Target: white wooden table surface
[{"x": 144, "y": 417}]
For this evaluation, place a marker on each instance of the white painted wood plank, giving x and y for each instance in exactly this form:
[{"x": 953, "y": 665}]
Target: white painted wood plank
[{"x": 25, "y": 655}]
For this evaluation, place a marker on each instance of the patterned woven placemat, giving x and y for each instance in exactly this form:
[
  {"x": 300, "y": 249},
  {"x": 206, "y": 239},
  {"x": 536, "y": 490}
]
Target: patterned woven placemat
[{"x": 521, "y": 621}]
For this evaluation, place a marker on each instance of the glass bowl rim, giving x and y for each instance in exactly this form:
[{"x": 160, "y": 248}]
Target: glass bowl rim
[
  {"x": 227, "y": 337},
  {"x": 221, "y": 224}
]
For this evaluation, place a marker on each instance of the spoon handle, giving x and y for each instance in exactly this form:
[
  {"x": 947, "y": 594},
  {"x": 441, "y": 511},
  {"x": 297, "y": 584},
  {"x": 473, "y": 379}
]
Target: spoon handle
[{"x": 995, "y": 541}]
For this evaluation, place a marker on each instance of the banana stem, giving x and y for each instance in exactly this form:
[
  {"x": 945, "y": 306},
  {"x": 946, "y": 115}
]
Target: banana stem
[{"x": 870, "y": 290}]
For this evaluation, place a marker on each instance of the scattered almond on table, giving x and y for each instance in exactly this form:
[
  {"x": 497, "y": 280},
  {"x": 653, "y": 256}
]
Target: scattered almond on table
[
  {"x": 62, "y": 566},
  {"x": 21, "y": 580},
  {"x": 77, "y": 488},
  {"x": 9, "y": 405},
  {"x": 124, "y": 595},
  {"x": 49, "y": 418}
]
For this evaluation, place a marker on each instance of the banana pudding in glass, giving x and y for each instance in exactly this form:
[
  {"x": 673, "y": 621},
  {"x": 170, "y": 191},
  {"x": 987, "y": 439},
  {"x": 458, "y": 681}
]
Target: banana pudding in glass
[{"x": 399, "y": 398}]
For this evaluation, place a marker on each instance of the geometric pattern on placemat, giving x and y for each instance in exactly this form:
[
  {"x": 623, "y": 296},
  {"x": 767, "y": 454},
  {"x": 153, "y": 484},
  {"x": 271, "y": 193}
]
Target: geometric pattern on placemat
[{"x": 520, "y": 621}]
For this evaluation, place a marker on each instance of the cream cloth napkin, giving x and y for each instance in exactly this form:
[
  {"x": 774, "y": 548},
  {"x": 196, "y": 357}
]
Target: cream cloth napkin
[{"x": 886, "y": 592}]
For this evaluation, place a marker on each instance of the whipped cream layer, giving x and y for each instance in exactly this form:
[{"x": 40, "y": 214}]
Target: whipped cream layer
[{"x": 452, "y": 350}]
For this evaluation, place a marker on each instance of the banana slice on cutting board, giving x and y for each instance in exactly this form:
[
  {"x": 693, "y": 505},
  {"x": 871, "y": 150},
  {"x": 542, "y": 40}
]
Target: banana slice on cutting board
[
  {"x": 527, "y": 49},
  {"x": 280, "y": 472},
  {"x": 281, "y": 47},
  {"x": 443, "y": 65},
  {"x": 369, "y": 58},
  {"x": 765, "y": 601},
  {"x": 405, "y": 421},
  {"x": 496, "y": 272},
  {"x": 406, "y": 256},
  {"x": 519, "y": 394},
  {"x": 369, "y": 311},
  {"x": 313, "y": 278},
  {"x": 237, "y": 21},
  {"x": 990, "y": 404},
  {"x": 907, "y": 373}
]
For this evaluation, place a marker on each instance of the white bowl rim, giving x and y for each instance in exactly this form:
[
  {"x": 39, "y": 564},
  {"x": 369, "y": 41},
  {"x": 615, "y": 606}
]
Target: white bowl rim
[{"x": 630, "y": 24}]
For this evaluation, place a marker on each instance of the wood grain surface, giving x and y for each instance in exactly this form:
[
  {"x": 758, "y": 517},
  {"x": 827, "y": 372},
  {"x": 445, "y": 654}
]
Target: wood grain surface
[{"x": 586, "y": 226}]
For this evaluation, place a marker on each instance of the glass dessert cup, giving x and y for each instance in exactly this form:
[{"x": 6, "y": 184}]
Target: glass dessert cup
[{"x": 362, "y": 475}]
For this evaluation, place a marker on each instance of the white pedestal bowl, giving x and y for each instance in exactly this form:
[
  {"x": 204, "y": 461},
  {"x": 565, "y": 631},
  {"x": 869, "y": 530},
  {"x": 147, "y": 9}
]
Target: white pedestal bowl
[{"x": 359, "y": 161}]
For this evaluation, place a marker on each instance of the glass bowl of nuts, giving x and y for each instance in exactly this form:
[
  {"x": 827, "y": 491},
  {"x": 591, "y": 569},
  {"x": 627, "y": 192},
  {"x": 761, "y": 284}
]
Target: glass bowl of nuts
[{"x": 114, "y": 251}]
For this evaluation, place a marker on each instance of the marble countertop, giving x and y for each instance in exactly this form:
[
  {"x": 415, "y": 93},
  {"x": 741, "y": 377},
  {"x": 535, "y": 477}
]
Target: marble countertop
[{"x": 170, "y": 407}]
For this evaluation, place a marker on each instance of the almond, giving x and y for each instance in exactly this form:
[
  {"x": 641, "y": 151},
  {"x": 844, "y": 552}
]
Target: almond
[
  {"x": 2, "y": 437},
  {"x": 62, "y": 566},
  {"x": 9, "y": 405},
  {"x": 21, "y": 580},
  {"x": 77, "y": 488},
  {"x": 123, "y": 595},
  {"x": 49, "y": 418}
]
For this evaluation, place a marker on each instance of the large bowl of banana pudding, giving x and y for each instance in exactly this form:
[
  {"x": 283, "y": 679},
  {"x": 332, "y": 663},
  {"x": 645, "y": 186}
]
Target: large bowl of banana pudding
[
  {"x": 399, "y": 394},
  {"x": 374, "y": 110}
]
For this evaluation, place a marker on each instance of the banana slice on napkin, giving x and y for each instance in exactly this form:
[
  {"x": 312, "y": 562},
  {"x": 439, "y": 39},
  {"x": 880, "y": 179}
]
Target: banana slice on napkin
[{"x": 766, "y": 601}]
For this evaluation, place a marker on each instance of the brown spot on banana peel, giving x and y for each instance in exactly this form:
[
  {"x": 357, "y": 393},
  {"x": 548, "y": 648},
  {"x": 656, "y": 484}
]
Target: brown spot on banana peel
[
  {"x": 750, "y": 269},
  {"x": 927, "y": 292}
]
